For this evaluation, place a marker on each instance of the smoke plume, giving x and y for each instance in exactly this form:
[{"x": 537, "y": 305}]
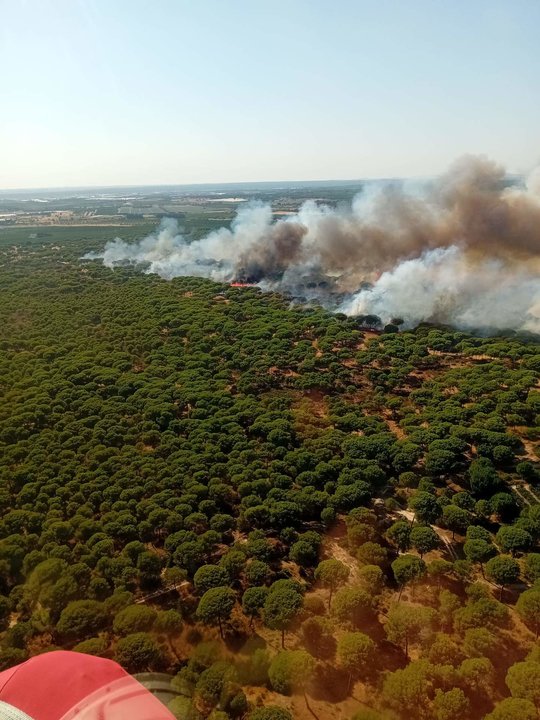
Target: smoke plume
[{"x": 464, "y": 251}]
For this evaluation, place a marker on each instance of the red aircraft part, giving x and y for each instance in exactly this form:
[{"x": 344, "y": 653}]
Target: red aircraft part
[{"x": 62, "y": 685}]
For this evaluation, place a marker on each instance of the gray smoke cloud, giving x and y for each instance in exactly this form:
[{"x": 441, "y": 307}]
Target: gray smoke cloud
[{"x": 465, "y": 251}]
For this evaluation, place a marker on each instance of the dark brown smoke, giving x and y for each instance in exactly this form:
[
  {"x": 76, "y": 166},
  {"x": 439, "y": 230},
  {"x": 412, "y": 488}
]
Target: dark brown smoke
[
  {"x": 279, "y": 248},
  {"x": 484, "y": 214}
]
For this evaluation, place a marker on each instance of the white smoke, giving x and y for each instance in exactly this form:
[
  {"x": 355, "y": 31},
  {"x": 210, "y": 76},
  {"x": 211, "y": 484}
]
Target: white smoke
[
  {"x": 465, "y": 252},
  {"x": 170, "y": 254},
  {"x": 441, "y": 286}
]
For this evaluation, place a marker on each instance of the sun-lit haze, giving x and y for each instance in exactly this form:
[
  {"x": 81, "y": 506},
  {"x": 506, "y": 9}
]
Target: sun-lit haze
[{"x": 130, "y": 92}]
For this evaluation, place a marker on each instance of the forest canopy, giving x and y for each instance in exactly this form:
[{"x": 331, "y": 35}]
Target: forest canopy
[{"x": 186, "y": 466}]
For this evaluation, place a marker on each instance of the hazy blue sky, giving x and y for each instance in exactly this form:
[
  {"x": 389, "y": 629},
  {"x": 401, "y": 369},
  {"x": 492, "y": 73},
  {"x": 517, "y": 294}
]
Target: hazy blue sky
[{"x": 168, "y": 91}]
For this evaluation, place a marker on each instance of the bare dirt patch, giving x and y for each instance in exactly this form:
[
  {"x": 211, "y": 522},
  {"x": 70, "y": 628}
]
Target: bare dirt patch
[
  {"x": 333, "y": 548},
  {"x": 395, "y": 428},
  {"x": 531, "y": 447},
  {"x": 287, "y": 372},
  {"x": 312, "y": 402}
]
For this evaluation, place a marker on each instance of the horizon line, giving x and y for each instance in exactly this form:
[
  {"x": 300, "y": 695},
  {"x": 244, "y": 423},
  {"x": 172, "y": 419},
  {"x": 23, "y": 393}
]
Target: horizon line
[
  {"x": 210, "y": 183},
  {"x": 371, "y": 178}
]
